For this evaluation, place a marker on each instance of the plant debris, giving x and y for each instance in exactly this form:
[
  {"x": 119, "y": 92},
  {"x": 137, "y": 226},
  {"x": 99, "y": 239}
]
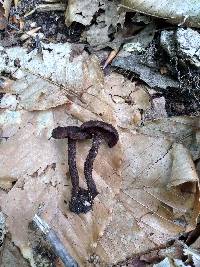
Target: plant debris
[
  {"x": 80, "y": 70},
  {"x": 104, "y": 19},
  {"x": 186, "y": 13},
  {"x": 81, "y": 199}
]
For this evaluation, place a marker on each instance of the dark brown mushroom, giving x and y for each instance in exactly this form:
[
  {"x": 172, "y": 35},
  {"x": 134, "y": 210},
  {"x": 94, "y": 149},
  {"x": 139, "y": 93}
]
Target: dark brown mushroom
[
  {"x": 100, "y": 130},
  {"x": 106, "y": 130},
  {"x": 72, "y": 132},
  {"x": 80, "y": 201}
]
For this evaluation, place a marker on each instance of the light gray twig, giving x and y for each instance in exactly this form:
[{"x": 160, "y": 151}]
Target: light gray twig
[{"x": 55, "y": 242}]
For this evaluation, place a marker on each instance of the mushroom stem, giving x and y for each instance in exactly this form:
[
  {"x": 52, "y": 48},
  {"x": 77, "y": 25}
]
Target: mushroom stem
[
  {"x": 88, "y": 165},
  {"x": 72, "y": 167},
  {"x": 82, "y": 199}
]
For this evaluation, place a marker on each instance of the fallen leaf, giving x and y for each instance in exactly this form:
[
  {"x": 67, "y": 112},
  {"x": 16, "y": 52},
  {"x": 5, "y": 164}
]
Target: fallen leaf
[
  {"x": 186, "y": 48},
  {"x": 11, "y": 256},
  {"x": 41, "y": 177},
  {"x": 81, "y": 11},
  {"x": 176, "y": 12},
  {"x": 149, "y": 74},
  {"x": 167, "y": 262},
  {"x": 141, "y": 40},
  {"x": 3, "y": 20},
  {"x": 149, "y": 193},
  {"x": 107, "y": 20},
  {"x": 194, "y": 254},
  {"x": 49, "y": 77},
  {"x": 6, "y": 6}
]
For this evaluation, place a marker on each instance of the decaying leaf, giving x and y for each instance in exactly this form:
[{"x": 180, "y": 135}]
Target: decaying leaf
[
  {"x": 81, "y": 11},
  {"x": 6, "y": 6},
  {"x": 141, "y": 40},
  {"x": 106, "y": 16},
  {"x": 45, "y": 81},
  {"x": 41, "y": 181},
  {"x": 11, "y": 256},
  {"x": 184, "y": 44},
  {"x": 149, "y": 190},
  {"x": 186, "y": 13},
  {"x": 167, "y": 262},
  {"x": 149, "y": 74},
  {"x": 3, "y": 19},
  {"x": 193, "y": 255}
]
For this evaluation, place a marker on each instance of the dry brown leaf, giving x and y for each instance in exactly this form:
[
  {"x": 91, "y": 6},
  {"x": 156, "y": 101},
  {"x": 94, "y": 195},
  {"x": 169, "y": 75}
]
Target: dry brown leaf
[
  {"x": 155, "y": 197},
  {"x": 84, "y": 11},
  {"x": 148, "y": 212},
  {"x": 159, "y": 196},
  {"x": 186, "y": 13},
  {"x": 45, "y": 81},
  {"x": 168, "y": 262},
  {"x": 119, "y": 101},
  {"x": 107, "y": 20},
  {"x": 81, "y": 11},
  {"x": 6, "y": 5},
  {"x": 3, "y": 20},
  {"x": 41, "y": 180}
]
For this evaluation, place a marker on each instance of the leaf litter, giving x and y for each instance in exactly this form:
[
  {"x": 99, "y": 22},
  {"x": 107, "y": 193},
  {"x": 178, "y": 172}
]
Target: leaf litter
[{"x": 149, "y": 186}]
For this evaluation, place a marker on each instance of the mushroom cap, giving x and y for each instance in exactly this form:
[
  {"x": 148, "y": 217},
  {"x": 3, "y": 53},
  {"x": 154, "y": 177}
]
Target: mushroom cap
[
  {"x": 106, "y": 130},
  {"x": 73, "y": 132}
]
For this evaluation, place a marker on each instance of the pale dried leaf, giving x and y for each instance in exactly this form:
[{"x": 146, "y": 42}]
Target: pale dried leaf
[
  {"x": 119, "y": 101},
  {"x": 194, "y": 254},
  {"x": 183, "y": 168},
  {"x": 167, "y": 262},
  {"x": 149, "y": 210},
  {"x": 141, "y": 40},
  {"x": 41, "y": 180},
  {"x": 47, "y": 80},
  {"x": 154, "y": 199},
  {"x": 81, "y": 11},
  {"x": 107, "y": 16},
  {"x": 186, "y": 13},
  {"x": 6, "y": 6}
]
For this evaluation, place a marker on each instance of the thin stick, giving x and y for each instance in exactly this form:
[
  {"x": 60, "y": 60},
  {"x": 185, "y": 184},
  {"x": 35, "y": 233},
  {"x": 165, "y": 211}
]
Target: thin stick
[{"x": 55, "y": 242}]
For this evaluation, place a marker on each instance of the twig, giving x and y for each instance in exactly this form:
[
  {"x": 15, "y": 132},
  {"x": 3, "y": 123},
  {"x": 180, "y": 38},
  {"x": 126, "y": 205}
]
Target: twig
[{"x": 55, "y": 242}]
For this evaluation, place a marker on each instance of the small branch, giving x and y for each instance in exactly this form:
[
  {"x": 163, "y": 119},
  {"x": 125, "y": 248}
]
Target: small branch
[{"x": 55, "y": 242}]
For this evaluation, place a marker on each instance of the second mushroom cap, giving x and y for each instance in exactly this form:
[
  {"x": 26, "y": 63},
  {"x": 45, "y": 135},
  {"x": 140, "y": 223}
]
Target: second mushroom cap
[{"x": 106, "y": 130}]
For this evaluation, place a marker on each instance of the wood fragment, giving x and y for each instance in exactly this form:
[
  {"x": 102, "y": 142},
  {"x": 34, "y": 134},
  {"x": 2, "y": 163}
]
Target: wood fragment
[
  {"x": 30, "y": 13},
  {"x": 50, "y": 7},
  {"x": 29, "y": 34},
  {"x": 21, "y": 24},
  {"x": 111, "y": 56},
  {"x": 16, "y": 2},
  {"x": 55, "y": 242},
  {"x": 3, "y": 20},
  {"x": 5, "y": 84},
  {"x": 51, "y": 1},
  {"x": 6, "y": 7}
]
